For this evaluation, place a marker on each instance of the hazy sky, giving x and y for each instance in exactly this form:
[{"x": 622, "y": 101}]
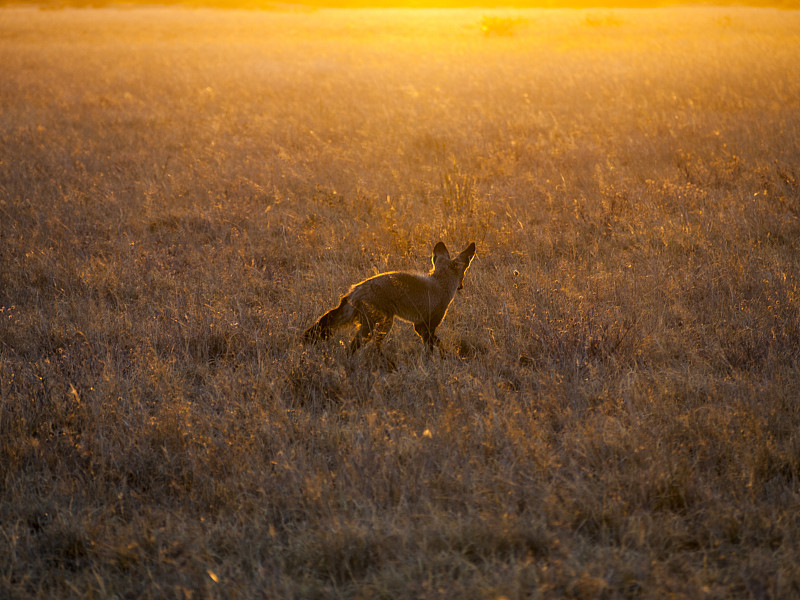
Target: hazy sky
[{"x": 414, "y": 3}]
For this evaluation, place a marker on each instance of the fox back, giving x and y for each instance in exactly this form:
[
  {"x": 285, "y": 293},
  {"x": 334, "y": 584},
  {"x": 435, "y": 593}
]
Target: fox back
[{"x": 420, "y": 299}]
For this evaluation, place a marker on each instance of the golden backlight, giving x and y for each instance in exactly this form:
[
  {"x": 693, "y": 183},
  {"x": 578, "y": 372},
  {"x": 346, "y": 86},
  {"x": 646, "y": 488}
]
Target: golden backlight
[
  {"x": 614, "y": 413},
  {"x": 460, "y": 4}
]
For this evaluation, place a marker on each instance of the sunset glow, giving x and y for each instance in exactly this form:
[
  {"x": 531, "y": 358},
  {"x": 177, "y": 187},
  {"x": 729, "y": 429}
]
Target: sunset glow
[{"x": 610, "y": 407}]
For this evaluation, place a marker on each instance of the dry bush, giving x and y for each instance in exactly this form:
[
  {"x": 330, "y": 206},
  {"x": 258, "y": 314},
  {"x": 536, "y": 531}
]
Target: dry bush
[
  {"x": 182, "y": 192},
  {"x": 500, "y": 26}
]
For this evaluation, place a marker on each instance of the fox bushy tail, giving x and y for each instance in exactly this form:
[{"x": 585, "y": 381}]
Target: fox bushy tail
[{"x": 344, "y": 314}]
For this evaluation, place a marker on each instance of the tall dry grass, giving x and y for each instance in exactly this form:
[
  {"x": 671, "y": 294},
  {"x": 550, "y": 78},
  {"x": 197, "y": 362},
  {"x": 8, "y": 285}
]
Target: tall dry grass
[{"x": 182, "y": 192}]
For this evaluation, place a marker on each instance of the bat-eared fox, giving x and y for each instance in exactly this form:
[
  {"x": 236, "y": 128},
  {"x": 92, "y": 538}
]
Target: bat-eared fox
[{"x": 419, "y": 299}]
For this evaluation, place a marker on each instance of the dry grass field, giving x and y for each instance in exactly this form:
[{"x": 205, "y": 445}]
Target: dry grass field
[{"x": 183, "y": 191}]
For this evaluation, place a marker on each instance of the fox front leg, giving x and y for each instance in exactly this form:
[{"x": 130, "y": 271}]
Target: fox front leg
[{"x": 428, "y": 335}]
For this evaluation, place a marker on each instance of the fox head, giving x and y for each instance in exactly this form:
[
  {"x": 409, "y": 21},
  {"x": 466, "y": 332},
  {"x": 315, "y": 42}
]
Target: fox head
[{"x": 455, "y": 268}]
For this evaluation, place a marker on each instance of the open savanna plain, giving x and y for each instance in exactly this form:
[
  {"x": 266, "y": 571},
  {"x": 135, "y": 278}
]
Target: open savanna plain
[{"x": 616, "y": 414}]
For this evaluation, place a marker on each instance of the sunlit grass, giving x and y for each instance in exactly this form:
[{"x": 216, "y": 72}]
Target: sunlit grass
[{"x": 183, "y": 192}]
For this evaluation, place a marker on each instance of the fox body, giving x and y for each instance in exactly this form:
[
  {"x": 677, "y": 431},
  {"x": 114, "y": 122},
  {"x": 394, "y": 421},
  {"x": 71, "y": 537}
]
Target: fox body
[{"x": 420, "y": 299}]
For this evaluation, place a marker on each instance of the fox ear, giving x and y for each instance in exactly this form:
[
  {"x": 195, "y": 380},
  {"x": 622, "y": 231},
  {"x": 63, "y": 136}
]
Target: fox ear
[
  {"x": 439, "y": 252},
  {"x": 467, "y": 255}
]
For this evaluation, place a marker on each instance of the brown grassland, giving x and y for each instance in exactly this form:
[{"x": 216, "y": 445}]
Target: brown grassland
[{"x": 183, "y": 191}]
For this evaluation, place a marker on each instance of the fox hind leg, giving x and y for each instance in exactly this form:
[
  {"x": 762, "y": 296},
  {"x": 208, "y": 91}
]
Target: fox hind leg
[
  {"x": 365, "y": 325},
  {"x": 373, "y": 323},
  {"x": 381, "y": 330}
]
